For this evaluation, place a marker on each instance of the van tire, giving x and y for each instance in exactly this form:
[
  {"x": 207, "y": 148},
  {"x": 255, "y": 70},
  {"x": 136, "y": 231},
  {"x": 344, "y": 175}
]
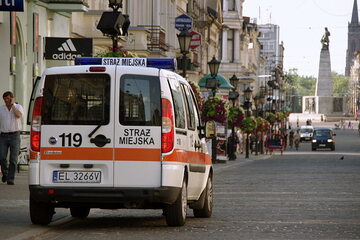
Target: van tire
[
  {"x": 41, "y": 213},
  {"x": 206, "y": 210},
  {"x": 79, "y": 212},
  {"x": 175, "y": 213}
]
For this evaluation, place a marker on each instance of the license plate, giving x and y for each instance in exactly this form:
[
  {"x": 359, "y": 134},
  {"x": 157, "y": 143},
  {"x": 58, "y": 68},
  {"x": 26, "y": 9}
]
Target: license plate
[
  {"x": 322, "y": 145},
  {"x": 76, "y": 176}
]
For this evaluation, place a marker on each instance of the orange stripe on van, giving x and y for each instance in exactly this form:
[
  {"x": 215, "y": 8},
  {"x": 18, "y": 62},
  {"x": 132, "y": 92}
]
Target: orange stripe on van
[
  {"x": 66, "y": 153},
  {"x": 179, "y": 155},
  {"x": 137, "y": 154}
]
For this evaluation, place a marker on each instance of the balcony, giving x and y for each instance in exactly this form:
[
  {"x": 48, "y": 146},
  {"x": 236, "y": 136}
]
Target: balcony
[
  {"x": 66, "y": 5},
  {"x": 157, "y": 38}
]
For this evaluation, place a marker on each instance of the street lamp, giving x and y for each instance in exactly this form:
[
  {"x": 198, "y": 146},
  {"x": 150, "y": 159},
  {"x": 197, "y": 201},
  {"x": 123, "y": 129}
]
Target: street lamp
[
  {"x": 214, "y": 66},
  {"x": 256, "y": 102},
  {"x": 115, "y": 4},
  {"x": 233, "y": 95},
  {"x": 212, "y": 83},
  {"x": 184, "y": 38},
  {"x": 247, "y": 106},
  {"x": 114, "y": 24}
]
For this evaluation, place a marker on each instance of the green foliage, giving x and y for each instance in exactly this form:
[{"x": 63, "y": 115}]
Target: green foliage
[
  {"x": 299, "y": 85},
  {"x": 340, "y": 84}
]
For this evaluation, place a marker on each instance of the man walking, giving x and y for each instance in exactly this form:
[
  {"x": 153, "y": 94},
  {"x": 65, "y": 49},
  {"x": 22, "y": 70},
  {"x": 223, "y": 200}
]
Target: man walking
[{"x": 10, "y": 124}]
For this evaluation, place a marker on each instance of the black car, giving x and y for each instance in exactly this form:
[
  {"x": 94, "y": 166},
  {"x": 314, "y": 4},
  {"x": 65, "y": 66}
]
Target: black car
[{"x": 323, "y": 138}]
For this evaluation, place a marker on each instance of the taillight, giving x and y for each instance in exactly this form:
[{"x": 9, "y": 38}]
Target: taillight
[
  {"x": 36, "y": 125},
  {"x": 167, "y": 135}
]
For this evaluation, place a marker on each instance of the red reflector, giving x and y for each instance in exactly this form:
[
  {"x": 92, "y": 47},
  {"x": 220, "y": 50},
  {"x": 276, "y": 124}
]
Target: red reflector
[
  {"x": 35, "y": 141},
  {"x": 97, "y": 69},
  {"x": 51, "y": 191}
]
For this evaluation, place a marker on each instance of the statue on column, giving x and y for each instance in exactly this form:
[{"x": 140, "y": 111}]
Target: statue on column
[{"x": 325, "y": 40}]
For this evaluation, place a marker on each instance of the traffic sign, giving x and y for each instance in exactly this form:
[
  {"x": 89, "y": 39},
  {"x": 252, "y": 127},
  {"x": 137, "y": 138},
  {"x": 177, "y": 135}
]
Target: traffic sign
[
  {"x": 12, "y": 5},
  {"x": 183, "y": 22},
  {"x": 195, "y": 39}
]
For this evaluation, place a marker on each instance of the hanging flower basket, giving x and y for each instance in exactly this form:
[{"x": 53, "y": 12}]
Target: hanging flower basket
[
  {"x": 214, "y": 109},
  {"x": 235, "y": 117},
  {"x": 270, "y": 117},
  {"x": 279, "y": 116},
  {"x": 262, "y": 125},
  {"x": 119, "y": 52},
  {"x": 196, "y": 90},
  {"x": 249, "y": 124}
]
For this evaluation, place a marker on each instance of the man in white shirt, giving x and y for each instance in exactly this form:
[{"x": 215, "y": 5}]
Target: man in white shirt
[{"x": 10, "y": 125}]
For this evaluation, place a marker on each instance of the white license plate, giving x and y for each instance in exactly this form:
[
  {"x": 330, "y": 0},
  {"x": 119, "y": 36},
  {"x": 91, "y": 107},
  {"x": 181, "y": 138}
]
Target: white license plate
[
  {"x": 322, "y": 145},
  {"x": 76, "y": 176}
]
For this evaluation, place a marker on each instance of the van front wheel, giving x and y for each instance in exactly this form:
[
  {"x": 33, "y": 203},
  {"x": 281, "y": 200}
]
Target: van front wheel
[
  {"x": 176, "y": 213},
  {"x": 79, "y": 212},
  {"x": 41, "y": 212}
]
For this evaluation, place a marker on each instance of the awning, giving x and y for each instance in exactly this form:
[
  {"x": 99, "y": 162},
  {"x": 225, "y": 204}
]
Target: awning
[{"x": 221, "y": 79}]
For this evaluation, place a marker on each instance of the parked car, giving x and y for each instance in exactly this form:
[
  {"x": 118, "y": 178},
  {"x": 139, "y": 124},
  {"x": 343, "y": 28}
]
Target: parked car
[
  {"x": 306, "y": 133},
  {"x": 323, "y": 138}
]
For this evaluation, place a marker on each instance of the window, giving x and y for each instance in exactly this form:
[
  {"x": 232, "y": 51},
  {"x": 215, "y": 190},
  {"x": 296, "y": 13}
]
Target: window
[
  {"x": 230, "y": 45},
  {"x": 190, "y": 109},
  {"x": 77, "y": 99},
  {"x": 178, "y": 103},
  {"x": 140, "y": 100},
  {"x": 231, "y": 5}
]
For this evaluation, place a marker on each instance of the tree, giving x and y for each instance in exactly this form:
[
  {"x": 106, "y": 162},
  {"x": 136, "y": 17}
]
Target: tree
[{"x": 340, "y": 84}]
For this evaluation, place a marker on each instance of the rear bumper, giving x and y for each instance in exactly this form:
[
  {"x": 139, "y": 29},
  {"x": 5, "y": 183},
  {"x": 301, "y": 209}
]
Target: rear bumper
[{"x": 105, "y": 197}]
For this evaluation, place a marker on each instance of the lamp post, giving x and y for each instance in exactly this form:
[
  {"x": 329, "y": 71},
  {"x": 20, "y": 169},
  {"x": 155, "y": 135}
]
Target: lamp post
[
  {"x": 247, "y": 106},
  {"x": 233, "y": 95},
  {"x": 212, "y": 83},
  {"x": 256, "y": 102},
  {"x": 261, "y": 102},
  {"x": 184, "y": 38}
]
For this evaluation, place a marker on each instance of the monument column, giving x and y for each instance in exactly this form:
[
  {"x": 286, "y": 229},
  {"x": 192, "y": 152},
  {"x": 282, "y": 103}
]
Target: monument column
[{"x": 324, "y": 83}]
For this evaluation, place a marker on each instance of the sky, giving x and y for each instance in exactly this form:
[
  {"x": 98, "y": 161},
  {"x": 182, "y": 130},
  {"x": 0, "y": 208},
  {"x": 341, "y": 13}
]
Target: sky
[{"x": 302, "y": 24}]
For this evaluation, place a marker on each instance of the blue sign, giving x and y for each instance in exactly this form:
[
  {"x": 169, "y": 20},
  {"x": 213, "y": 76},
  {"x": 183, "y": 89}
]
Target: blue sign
[
  {"x": 183, "y": 22},
  {"x": 12, "y": 5}
]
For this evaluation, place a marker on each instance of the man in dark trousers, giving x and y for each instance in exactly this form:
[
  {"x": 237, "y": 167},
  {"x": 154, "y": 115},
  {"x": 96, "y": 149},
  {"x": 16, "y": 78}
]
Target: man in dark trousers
[{"x": 10, "y": 125}]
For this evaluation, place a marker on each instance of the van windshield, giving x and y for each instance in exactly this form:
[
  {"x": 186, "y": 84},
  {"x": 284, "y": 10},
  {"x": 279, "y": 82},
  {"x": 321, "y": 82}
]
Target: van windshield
[
  {"x": 306, "y": 130},
  {"x": 77, "y": 99}
]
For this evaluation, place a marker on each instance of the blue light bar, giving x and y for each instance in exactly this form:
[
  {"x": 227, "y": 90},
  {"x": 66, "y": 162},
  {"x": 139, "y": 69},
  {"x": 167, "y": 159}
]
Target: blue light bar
[{"x": 161, "y": 63}]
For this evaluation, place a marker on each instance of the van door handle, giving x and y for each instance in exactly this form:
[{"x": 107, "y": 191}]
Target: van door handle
[
  {"x": 100, "y": 140},
  {"x": 197, "y": 145}
]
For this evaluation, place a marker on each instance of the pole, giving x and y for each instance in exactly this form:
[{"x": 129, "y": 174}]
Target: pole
[
  {"x": 247, "y": 134},
  {"x": 184, "y": 65},
  {"x": 114, "y": 42}
]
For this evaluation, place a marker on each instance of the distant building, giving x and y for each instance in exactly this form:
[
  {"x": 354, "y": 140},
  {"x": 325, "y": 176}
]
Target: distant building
[{"x": 353, "y": 39}]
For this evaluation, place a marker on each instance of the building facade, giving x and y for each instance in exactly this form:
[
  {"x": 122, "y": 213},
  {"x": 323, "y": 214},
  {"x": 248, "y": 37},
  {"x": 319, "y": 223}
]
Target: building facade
[
  {"x": 22, "y": 42},
  {"x": 353, "y": 39}
]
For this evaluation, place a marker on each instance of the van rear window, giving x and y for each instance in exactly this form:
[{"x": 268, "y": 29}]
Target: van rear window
[
  {"x": 77, "y": 99},
  {"x": 140, "y": 100}
]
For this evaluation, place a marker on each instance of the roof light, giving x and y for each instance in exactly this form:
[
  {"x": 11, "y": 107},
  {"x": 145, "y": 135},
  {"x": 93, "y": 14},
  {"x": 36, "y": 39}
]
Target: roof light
[{"x": 161, "y": 63}]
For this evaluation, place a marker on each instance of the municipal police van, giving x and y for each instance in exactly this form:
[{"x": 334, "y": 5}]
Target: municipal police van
[{"x": 115, "y": 136}]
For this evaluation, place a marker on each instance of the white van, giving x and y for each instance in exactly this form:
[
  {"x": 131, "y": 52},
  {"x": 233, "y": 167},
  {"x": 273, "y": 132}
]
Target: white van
[
  {"x": 306, "y": 133},
  {"x": 110, "y": 136}
]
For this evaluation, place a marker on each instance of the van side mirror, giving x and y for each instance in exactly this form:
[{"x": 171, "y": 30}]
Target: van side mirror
[{"x": 210, "y": 129}]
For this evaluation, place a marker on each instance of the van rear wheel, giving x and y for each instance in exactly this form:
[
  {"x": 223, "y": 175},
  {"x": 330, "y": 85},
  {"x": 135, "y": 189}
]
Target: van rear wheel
[
  {"x": 41, "y": 212},
  {"x": 79, "y": 212},
  {"x": 206, "y": 211},
  {"x": 175, "y": 213}
]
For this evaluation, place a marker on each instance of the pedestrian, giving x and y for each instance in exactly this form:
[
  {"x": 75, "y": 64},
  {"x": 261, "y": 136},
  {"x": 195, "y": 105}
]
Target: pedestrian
[
  {"x": 297, "y": 139},
  {"x": 239, "y": 148},
  {"x": 349, "y": 125},
  {"x": 10, "y": 124}
]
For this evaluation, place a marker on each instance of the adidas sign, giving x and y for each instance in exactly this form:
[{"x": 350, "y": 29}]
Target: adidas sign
[{"x": 67, "y": 46}]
